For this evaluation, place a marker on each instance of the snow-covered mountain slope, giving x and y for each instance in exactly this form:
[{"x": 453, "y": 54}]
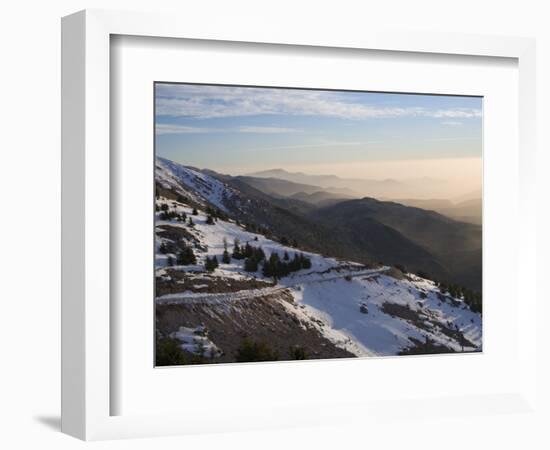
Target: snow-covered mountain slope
[
  {"x": 196, "y": 185},
  {"x": 338, "y": 306}
]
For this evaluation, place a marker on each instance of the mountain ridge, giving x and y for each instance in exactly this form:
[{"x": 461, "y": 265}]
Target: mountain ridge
[{"x": 377, "y": 235}]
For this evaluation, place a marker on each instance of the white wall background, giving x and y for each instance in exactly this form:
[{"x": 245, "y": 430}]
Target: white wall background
[{"x": 30, "y": 193}]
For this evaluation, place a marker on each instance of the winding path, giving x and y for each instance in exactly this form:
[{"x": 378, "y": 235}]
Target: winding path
[{"x": 247, "y": 294}]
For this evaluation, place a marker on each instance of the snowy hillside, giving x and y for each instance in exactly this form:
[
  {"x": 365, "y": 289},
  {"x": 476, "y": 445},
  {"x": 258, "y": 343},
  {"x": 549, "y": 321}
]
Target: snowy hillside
[
  {"x": 196, "y": 185},
  {"x": 332, "y": 308}
]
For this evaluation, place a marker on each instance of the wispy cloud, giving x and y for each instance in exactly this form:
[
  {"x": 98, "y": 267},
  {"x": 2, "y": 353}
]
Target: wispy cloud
[
  {"x": 312, "y": 145},
  {"x": 163, "y": 129},
  {"x": 267, "y": 130},
  {"x": 452, "y": 123},
  {"x": 207, "y": 102}
]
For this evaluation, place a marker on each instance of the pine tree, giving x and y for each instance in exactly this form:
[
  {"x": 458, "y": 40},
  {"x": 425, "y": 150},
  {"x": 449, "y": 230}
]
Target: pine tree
[
  {"x": 195, "y": 212},
  {"x": 286, "y": 257},
  {"x": 210, "y": 264},
  {"x": 267, "y": 269},
  {"x": 271, "y": 266},
  {"x": 237, "y": 251},
  {"x": 259, "y": 254},
  {"x": 187, "y": 256},
  {"x": 250, "y": 264},
  {"x": 305, "y": 262},
  {"x": 210, "y": 220},
  {"x": 225, "y": 257},
  {"x": 295, "y": 264}
]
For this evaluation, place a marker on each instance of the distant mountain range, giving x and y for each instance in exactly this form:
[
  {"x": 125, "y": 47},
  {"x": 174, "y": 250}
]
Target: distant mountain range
[
  {"x": 285, "y": 188},
  {"x": 326, "y": 221},
  {"x": 355, "y": 187},
  {"x": 463, "y": 210}
]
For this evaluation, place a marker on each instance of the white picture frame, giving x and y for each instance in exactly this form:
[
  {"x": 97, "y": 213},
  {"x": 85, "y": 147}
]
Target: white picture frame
[{"x": 86, "y": 247}]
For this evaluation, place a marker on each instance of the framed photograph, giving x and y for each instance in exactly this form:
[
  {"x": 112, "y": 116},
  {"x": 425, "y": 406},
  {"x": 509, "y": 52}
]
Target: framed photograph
[
  {"x": 270, "y": 229},
  {"x": 296, "y": 224}
]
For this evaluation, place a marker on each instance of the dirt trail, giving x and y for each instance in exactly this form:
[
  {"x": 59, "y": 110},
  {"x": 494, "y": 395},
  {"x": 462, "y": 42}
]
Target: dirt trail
[{"x": 217, "y": 298}]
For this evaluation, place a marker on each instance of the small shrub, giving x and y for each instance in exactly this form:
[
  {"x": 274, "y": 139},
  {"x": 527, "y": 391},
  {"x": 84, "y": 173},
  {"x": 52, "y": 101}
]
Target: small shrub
[
  {"x": 250, "y": 351},
  {"x": 298, "y": 353}
]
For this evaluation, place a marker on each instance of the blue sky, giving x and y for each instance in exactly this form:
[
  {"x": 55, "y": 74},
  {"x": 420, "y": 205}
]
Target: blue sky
[{"x": 242, "y": 129}]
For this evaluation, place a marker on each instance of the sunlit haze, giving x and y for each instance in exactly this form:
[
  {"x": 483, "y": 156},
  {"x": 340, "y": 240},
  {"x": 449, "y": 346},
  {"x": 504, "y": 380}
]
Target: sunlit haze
[{"x": 434, "y": 143}]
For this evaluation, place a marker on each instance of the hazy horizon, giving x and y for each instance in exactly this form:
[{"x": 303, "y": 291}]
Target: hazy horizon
[{"x": 358, "y": 135}]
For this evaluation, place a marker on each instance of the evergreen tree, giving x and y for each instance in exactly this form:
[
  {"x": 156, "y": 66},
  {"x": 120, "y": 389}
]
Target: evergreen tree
[
  {"x": 295, "y": 264},
  {"x": 210, "y": 220},
  {"x": 286, "y": 257},
  {"x": 162, "y": 248},
  {"x": 259, "y": 254},
  {"x": 187, "y": 256},
  {"x": 250, "y": 264},
  {"x": 225, "y": 257},
  {"x": 271, "y": 265},
  {"x": 305, "y": 261},
  {"x": 237, "y": 252},
  {"x": 211, "y": 263},
  {"x": 195, "y": 212}
]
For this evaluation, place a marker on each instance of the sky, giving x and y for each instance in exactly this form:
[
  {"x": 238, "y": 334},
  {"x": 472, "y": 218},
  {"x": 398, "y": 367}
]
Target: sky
[{"x": 239, "y": 130}]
